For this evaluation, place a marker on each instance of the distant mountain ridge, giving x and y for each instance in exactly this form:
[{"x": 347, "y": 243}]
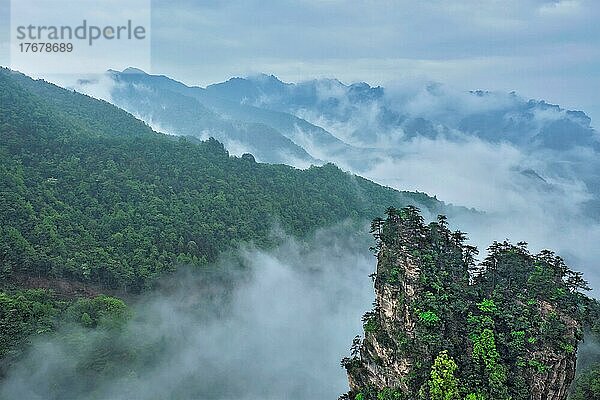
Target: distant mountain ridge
[
  {"x": 372, "y": 130},
  {"x": 275, "y": 119},
  {"x": 333, "y": 99},
  {"x": 175, "y": 108},
  {"x": 271, "y": 136}
]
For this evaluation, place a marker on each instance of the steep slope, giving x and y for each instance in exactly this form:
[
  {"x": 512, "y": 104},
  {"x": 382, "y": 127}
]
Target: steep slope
[
  {"x": 444, "y": 328},
  {"x": 91, "y": 194},
  {"x": 179, "y": 109},
  {"x": 162, "y": 101}
]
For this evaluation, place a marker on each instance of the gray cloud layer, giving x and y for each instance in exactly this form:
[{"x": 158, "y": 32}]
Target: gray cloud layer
[{"x": 543, "y": 49}]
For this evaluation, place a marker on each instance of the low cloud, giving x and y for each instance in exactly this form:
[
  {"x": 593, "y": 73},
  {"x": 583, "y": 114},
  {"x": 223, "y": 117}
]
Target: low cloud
[
  {"x": 99, "y": 86},
  {"x": 531, "y": 194},
  {"x": 258, "y": 325},
  {"x": 538, "y": 196}
]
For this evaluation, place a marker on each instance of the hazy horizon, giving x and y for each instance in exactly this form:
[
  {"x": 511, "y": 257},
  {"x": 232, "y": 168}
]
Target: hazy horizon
[{"x": 497, "y": 46}]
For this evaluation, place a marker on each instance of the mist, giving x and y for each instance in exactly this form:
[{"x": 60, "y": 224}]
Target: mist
[
  {"x": 256, "y": 325},
  {"x": 547, "y": 197},
  {"x": 527, "y": 193},
  {"x": 274, "y": 324}
]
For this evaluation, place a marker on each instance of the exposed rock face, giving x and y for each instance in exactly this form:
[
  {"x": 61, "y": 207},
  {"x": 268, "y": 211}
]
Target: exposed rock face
[
  {"x": 510, "y": 333},
  {"x": 553, "y": 383},
  {"x": 383, "y": 365}
]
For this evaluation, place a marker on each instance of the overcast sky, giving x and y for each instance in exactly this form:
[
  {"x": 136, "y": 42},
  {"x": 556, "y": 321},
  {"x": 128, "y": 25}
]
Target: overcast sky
[
  {"x": 546, "y": 49},
  {"x": 540, "y": 48}
]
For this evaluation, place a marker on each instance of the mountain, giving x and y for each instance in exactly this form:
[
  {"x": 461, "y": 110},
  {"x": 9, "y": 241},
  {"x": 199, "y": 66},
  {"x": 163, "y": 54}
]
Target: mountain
[
  {"x": 500, "y": 153},
  {"x": 175, "y": 108},
  {"x": 264, "y": 99},
  {"x": 94, "y": 195},
  {"x": 94, "y": 201},
  {"x": 365, "y": 128},
  {"x": 446, "y": 328},
  {"x": 164, "y": 102},
  {"x": 533, "y": 124},
  {"x": 426, "y": 121},
  {"x": 492, "y": 116}
]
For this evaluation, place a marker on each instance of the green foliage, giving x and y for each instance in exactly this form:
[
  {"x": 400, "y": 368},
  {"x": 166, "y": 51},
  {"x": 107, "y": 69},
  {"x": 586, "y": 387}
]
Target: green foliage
[
  {"x": 88, "y": 193},
  {"x": 486, "y": 354},
  {"x": 568, "y": 348},
  {"x": 443, "y": 385},
  {"x": 23, "y": 313},
  {"x": 26, "y": 313},
  {"x": 496, "y": 318},
  {"x": 428, "y": 317},
  {"x": 390, "y": 394},
  {"x": 487, "y": 306},
  {"x": 86, "y": 320},
  {"x": 587, "y": 385},
  {"x": 538, "y": 366},
  {"x": 371, "y": 325},
  {"x": 386, "y": 393},
  {"x": 101, "y": 311}
]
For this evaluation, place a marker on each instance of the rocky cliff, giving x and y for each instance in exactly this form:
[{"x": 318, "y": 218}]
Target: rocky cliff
[{"x": 443, "y": 327}]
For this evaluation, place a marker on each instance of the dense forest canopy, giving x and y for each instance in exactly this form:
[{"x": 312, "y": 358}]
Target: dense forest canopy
[{"x": 90, "y": 193}]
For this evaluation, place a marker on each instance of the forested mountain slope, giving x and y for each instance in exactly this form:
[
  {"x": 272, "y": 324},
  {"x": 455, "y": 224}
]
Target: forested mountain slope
[
  {"x": 91, "y": 194},
  {"x": 92, "y": 200}
]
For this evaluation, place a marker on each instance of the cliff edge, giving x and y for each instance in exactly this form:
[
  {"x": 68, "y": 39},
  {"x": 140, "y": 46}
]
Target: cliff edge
[{"x": 444, "y": 327}]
